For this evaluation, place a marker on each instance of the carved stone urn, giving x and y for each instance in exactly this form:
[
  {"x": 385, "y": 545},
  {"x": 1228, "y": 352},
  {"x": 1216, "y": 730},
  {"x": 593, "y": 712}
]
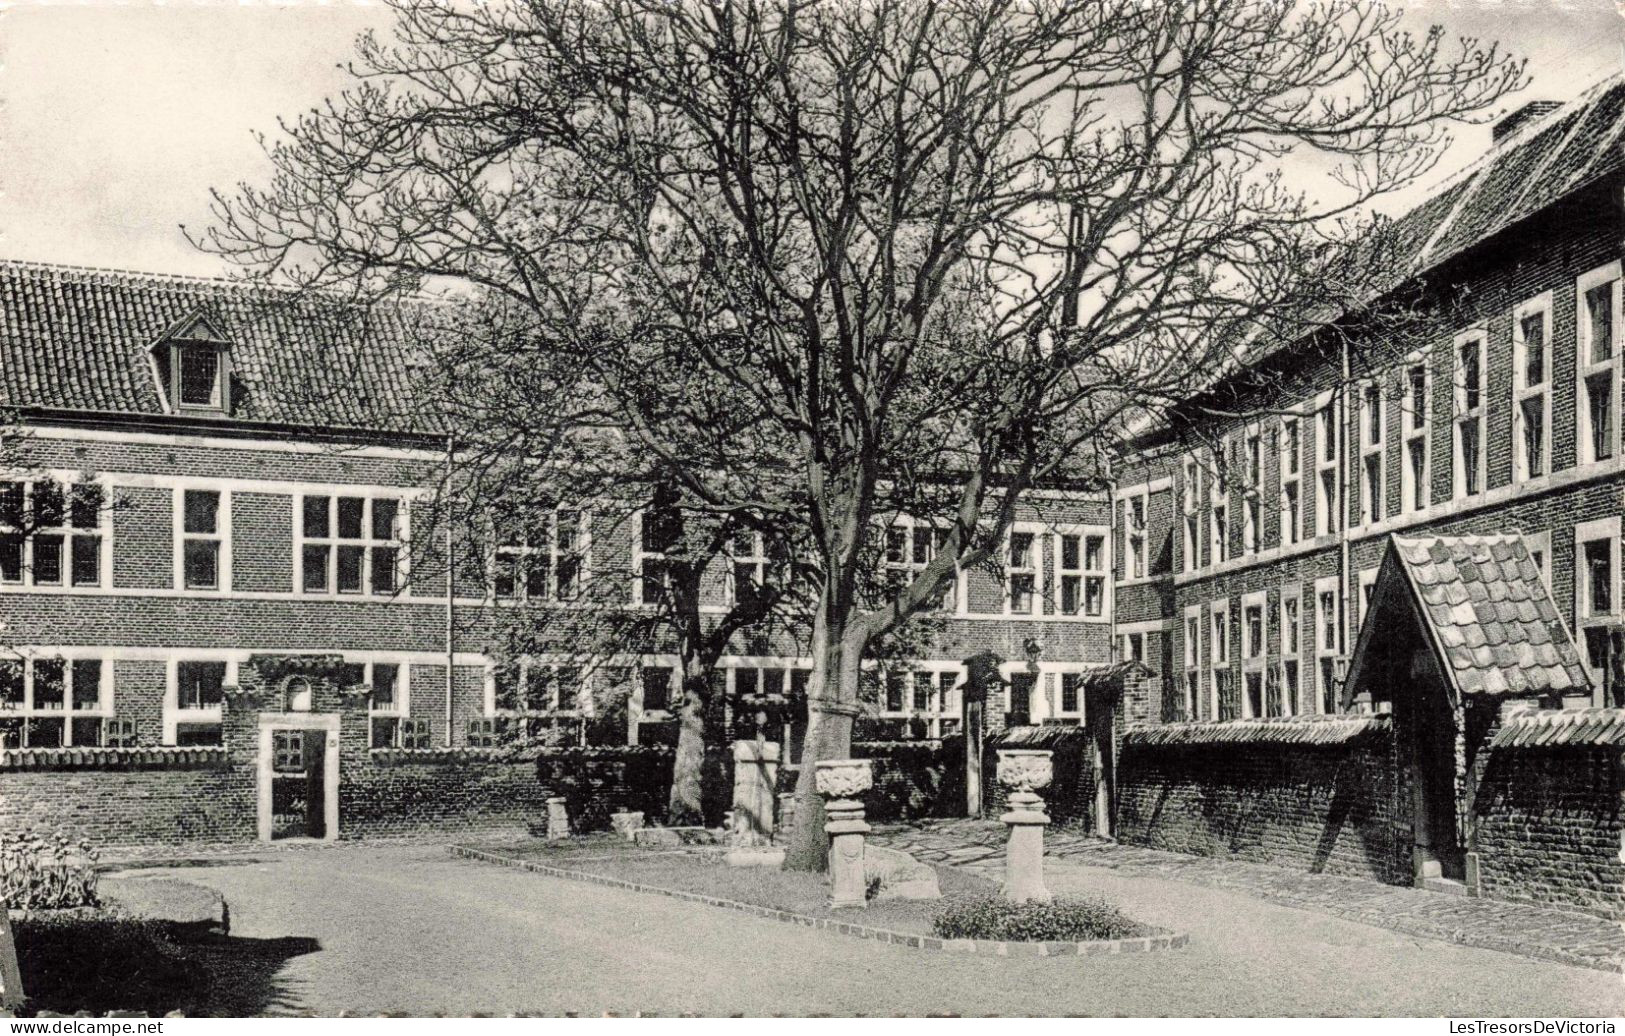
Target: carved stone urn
[
  {"x": 839, "y": 783},
  {"x": 1023, "y": 771}
]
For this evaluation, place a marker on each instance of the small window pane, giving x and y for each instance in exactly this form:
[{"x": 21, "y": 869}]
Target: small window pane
[
  {"x": 656, "y": 689},
  {"x": 11, "y": 504},
  {"x": 200, "y": 381},
  {"x": 50, "y": 681},
  {"x": 384, "y": 676},
  {"x": 315, "y": 563},
  {"x": 202, "y": 509},
  {"x": 198, "y": 684},
  {"x": 11, "y": 558},
  {"x": 350, "y": 509},
  {"x": 198, "y": 735},
  {"x": 48, "y": 560},
  {"x": 87, "y": 506},
  {"x": 87, "y": 560},
  {"x": 383, "y": 569},
  {"x": 87, "y": 683},
  {"x": 385, "y": 515},
  {"x": 317, "y": 517},
  {"x": 11, "y": 684},
  {"x": 349, "y": 569},
  {"x": 48, "y": 507},
  {"x": 202, "y": 564}
]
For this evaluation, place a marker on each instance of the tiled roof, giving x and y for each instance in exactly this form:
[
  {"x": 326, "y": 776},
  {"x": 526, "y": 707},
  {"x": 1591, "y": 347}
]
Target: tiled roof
[
  {"x": 1046, "y": 735},
  {"x": 1287, "y": 730},
  {"x": 78, "y": 338},
  {"x": 1491, "y": 619},
  {"x": 1552, "y": 728}
]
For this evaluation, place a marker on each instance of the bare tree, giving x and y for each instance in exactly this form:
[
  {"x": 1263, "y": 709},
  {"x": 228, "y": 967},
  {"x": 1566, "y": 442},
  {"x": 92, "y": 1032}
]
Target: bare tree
[{"x": 948, "y": 247}]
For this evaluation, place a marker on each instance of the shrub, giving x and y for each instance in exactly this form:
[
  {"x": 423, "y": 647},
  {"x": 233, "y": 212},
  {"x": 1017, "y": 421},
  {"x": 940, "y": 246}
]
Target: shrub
[
  {"x": 45, "y": 873},
  {"x": 1064, "y": 919},
  {"x": 103, "y": 963}
]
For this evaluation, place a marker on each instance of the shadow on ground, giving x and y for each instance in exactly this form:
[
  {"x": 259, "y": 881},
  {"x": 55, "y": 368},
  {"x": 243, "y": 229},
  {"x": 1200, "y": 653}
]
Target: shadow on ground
[{"x": 103, "y": 963}]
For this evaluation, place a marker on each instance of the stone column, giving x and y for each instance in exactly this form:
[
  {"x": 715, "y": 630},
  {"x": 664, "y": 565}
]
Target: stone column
[
  {"x": 840, "y": 782},
  {"x": 787, "y": 815},
  {"x": 1022, "y": 771},
  {"x": 558, "y": 819},
  {"x": 756, "y": 771}
]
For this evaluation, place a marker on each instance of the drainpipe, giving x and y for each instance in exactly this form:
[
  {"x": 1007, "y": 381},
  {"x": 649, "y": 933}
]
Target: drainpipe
[
  {"x": 451, "y": 594},
  {"x": 1343, "y": 595}
]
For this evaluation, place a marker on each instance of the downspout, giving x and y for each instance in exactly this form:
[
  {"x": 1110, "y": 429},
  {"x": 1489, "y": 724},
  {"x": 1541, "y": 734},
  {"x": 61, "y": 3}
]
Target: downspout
[
  {"x": 1343, "y": 595},
  {"x": 451, "y": 595}
]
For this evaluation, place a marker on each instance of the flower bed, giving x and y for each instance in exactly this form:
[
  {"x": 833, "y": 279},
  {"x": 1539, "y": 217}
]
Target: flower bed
[
  {"x": 1061, "y": 920},
  {"x": 40, "y": 872}
]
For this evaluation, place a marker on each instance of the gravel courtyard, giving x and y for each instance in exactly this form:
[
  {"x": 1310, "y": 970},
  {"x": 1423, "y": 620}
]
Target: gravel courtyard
[{"x": 408, "y": 928}]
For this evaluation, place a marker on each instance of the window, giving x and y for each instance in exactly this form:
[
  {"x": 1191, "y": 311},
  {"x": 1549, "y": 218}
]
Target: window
[
  {"x": 1291, "y": 469},
  {"x": 1469, "y": 420},
  {"x": 909, "y": 549},
  {"x": 1415, "y": 461},
  {"x": 1253, "y": 633},
  {"x": 1021, "y": 574},
  {"x": 200, "y": 539},
  {"x": 1290, "y": 678},
  {"x": 1368, "y": 584},
  {"x": 656, "y": 682},
  {"x": 1136, "y": 541},
  {"x": 660, "y": 528},
  {"x": 51, "y": 534},
  {"x": 198, "y": 696},
  {"x": 48, "y": 702},
  {"x": 1539, "y": 545},
  {"x": 1598, "y": 364},
  {"x": 1531, "y": 389},
  {"x": 387, "y": 703},
  {"x": 1219, "y": 510},
  {"x": 1328, "y": 469},
  {"x": 200, "y": 376},
  {"x": 541, "y": 561},
  {"x": 1131, "y": 647},
  {"x": 1371, "y": 453},
  {"x": 1219, "y": 655},
  {"x": 1190, "y": 508},
  {"x": 531, "y": 696},
  {"x": 1252, "y": 498},
  {"x": 1193, "y": 662},
  {"x": 1326, "y": 642},
  {"x": 350, "y": 544},
  {"x": 1598, "y": 615},
  {"x": 1081, "y": 572},
  {"x": 1071, "y": 694}
]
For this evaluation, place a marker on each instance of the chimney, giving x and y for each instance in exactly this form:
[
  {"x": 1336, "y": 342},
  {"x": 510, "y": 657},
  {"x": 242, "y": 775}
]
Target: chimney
[{"x": 1528, "y": 113}]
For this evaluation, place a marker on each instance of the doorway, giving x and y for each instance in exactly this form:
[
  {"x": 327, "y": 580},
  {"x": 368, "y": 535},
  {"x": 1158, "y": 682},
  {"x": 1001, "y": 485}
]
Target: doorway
[
  {"x": 1100, "y": 720},
  {"x": 298, "y": 776}
]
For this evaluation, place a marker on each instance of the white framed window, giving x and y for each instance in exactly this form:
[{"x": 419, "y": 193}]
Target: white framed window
[
  {"x": 748, "y": 685},
  {"x": 1328, "y": 468},
  {"x": 1597, "y": 367},
  {"x": 910, "y": 547},
  {"x": 1081, "y": 573},
  {"x": 1373, "y": 452},
  {"x": 1290, "y": 680},
  {"x": 1598, "y": 614},
  {"x": 1136, "y": 538},
  {"x": 1192, "y": 638},
  {"x": 1416, "y": 439},
  {"x": 389, "y": 703},
  {"x": 1131, "y": 647},
  {"x": 351, "y": 543},
  {"x": 194, "y": 698},
  {"x": 1252, "y": 499},
  {"x": 1072, "y": 696},
  {"x": 1218, "y": 503},
  {"x": 1532, "y": 388},
  {"x": 544, "y": 560},
  {"x": 1022, "y": 572},
  {"x": 529, "y": 695},
  {"x": 1368, "y": 583},
  {"x": 659, "y": 529},
  {"x": 54, "y": 534},
  {"x": 1326, "y": 643},
  {"x": 1190, "y": 513},
  {"x": 1539, "y": 546},
  {"x": 202, "y": 539},
  {"x": 1468, "y": 422},
  {"x": 1254, "y": 635},
  {"x": 48, "y": 701},
  {"x": 1220, "y": 655},
  {"x": 1289, "y": 448},
  {"x": 922, "y": 691}
]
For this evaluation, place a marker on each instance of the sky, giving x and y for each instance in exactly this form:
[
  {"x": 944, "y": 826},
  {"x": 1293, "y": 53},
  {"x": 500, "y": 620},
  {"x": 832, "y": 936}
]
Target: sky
[{"x": 116, "y": 119}]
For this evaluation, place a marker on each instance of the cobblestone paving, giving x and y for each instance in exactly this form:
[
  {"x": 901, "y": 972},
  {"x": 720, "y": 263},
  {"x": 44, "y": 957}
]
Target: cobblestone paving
[{"x": 1531, "y": 931}]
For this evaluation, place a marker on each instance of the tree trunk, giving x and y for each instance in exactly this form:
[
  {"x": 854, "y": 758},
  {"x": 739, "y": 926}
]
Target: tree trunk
[
  {"x": 832, "y": 699},
  {"x": 686, "y": 804}
]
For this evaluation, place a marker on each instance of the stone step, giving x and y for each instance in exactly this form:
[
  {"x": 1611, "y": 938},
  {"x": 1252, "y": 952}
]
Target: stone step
[{"x": 1449, "y": 886}]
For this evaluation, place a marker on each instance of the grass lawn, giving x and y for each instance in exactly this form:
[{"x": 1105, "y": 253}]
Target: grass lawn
[{"x": 703, "y": 872}]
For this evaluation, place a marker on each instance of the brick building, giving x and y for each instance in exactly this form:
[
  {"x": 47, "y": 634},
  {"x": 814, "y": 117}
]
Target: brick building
[{"x": 217, "y": 623}]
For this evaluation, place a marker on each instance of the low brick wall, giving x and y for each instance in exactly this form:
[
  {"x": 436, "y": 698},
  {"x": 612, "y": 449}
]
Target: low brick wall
[
  {"x": 914, "y": 780},
  {"x": 1547, "y": 827},
  {"x": 1324, "y": 804},
  {"x": 119, "y": 803}
]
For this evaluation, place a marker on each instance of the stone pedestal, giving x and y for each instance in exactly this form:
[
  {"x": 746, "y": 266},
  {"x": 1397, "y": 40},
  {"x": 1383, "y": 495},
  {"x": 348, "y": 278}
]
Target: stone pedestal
[
  {"x": 1022, "y": 771},
  {"x": 787, "y": 816},
  {"x": 626, "y": 823},
  {"x": 558, "y": 819},
  {"x": 750, "y": 832},
  {"x": 839, "y": 783}
]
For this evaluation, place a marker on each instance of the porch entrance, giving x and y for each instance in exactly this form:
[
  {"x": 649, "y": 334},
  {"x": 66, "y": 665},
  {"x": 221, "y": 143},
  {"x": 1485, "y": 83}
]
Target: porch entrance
[{"x": 298, "y": 776}]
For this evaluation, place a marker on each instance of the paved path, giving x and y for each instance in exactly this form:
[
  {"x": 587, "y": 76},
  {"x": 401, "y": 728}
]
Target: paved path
[
  {"x": 1531, "y": 931},
  {"x": 409, "y": 928}
]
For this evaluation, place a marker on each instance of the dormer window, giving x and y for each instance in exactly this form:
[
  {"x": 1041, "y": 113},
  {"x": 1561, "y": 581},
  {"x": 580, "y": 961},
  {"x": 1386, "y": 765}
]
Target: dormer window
[{"x": 192, "y": 367}]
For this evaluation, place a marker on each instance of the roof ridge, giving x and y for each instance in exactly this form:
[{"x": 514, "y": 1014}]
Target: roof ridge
[{"x": 43, "y": 266}]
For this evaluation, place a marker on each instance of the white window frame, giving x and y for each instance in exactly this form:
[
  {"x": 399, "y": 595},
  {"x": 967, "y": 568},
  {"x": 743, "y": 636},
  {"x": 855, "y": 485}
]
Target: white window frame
[
  {"x": 68, "y": 532},
  {"x": 1136, "y": 535},
  {"x": 1190, "y": 513},
  {"x": 209, "y": 715},
  {"x": 1522, "y": 393},
  {"x": 1131, "y": 647},
  {"x": 1218, "y": 502},
  {"x": 1291, "y": 650},
  {"x": 1326, "y": 585},
  {"x": 1463, "y": 415},
  {"x": 1291, "y": 478},
  {"x": 1416, "y": 437},
  {"x": 221, "y": 537},
  {"x": 1586, "y": 617},
  {"x": 903, "y": 569},
  {"x": 1254, "y": 656},
  {"x": 30, "y": 709},
  {"x": 941, "y": 679},
  {"x": 1191, "y": 637},
  {"x": 1328, "y": 498},
  {"x": 1373, "y": 452},
  {"x": 528, "y": 664},
  {"x": 1252, "y": 494},
  {"x": 525, "y": 549},
  {"x": 1034, "y": 568},
  {"x": 641, "y": 554},
  {"x": 1100, "y": 573},
  {"x": 367, "y": 543},
  {"x": 1221, "y": 653},
  {"x": 1586, "y": 369},
  {"x": 401, "y": 709}
]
